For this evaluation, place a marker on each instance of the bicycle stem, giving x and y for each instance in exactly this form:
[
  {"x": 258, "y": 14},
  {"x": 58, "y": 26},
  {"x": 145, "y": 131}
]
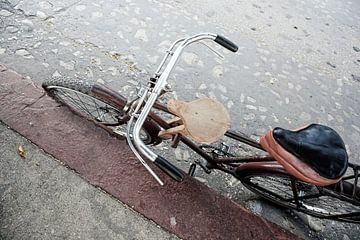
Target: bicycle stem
[{"x": 150, "y": 99}]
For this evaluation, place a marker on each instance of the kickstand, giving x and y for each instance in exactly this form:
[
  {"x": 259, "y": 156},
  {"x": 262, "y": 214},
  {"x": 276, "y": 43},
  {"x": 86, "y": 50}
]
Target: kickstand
[{"x": 193, "y": 168}]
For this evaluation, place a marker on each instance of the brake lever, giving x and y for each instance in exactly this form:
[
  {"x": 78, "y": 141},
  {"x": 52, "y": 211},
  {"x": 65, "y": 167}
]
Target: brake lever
[{"x": 212, "y": 49}]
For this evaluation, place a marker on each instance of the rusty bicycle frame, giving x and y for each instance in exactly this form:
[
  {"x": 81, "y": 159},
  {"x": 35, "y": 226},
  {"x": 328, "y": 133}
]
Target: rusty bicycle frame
[
  {"x": 236, "y": 166},
  {"x": 241, "y": 165}
]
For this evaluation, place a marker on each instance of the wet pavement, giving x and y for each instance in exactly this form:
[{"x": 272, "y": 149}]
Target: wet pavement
[{"x": 298, "y": 62}]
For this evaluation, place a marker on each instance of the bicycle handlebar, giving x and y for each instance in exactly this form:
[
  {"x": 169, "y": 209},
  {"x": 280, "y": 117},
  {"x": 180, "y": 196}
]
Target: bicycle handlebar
[
  {"x": 150, "y": 96},
  {"x": 226, "y": 43}
]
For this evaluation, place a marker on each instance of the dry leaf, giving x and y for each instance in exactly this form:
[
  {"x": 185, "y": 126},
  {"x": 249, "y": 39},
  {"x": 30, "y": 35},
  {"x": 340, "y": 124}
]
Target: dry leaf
[{"x": 21, "y": 151}]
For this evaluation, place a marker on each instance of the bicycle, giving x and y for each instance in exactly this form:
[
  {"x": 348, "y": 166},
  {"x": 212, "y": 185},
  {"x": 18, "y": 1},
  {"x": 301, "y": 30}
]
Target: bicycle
[{"x": 337, "y": 198}]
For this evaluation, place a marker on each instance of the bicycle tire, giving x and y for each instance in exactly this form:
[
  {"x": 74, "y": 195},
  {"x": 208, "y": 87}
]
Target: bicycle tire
[
  {"x": 321, "y": 202},
  {"x": 79, "y": 96}
]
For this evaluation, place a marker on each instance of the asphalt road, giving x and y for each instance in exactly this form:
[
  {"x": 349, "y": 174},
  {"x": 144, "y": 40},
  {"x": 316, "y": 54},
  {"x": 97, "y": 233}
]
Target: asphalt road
[{"x": 298, "y": 63}]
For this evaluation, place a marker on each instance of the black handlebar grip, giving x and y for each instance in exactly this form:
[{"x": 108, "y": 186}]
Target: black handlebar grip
[
  {"x": 226, "y": 43},
  {"x": 169, "y": 169}
]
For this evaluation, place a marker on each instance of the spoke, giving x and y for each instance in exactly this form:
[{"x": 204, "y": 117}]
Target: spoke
[
  {"x": 269, "y": 189},
  {"x": 96, "y": 109},
  {"x": 269, "y": 183},
  {"x": 71, "y": 99},
  {"x": 311, "y": 199},
  {"x": 87, "y": 110}
]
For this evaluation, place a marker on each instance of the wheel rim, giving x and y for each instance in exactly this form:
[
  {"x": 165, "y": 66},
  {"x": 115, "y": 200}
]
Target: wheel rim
[
  {"x": 94, "y": 109},
  {"x": 312, "y": 200},
  {"x": 89, "y": 106}
]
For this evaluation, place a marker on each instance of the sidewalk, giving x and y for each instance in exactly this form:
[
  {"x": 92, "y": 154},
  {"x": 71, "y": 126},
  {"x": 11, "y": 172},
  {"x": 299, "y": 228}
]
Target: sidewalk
[{"x": 41, "y": 198}]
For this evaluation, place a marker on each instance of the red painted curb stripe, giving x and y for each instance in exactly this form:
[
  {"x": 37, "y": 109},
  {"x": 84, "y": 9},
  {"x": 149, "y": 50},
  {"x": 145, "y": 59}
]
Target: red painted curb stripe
[{"x": 107, "y": 162}]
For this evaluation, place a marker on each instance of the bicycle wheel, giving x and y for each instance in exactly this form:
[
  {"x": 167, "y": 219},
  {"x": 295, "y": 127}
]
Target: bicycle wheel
[
  {"x": 285, "y": 190},
  {"x": 99, "y": 104}
]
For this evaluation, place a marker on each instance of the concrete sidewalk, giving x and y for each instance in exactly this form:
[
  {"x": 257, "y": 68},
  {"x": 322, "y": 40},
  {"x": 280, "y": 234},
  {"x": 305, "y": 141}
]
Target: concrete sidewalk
[{"x": 41, "y": 199}]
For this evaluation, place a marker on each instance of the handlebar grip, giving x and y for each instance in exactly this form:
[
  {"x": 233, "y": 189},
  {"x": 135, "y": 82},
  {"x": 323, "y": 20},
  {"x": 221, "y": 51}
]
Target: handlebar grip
[
  {"x": 226, "y": 43},
  {"x": 169, "y": 169}
]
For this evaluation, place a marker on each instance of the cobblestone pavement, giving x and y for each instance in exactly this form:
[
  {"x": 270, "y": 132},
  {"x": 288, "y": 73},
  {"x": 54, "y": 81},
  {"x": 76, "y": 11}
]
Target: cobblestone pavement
[{"x": 298, "y": 62}]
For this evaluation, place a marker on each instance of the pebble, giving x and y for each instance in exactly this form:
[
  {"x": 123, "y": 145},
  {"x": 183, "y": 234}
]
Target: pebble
[
  {"x": 315, "y": 225},
  {"x": 97, "y": 14},
  {"x": 242, "y": 98},
  {"x": 356, "y": 49},
  {"x": 100, "y": 81},
  {"x": 217, "y": 71},
  {"x": 12, "y": 29},
  {"x": 210, "y": 13},
  {"x": 153, "y": 59},
  {"x": 250, "y": 99},
  {"x": 249, "y": 116},
  {"x": 64, "y": 43},
  {"x": 202, "y": 86},
  {"x": 181, "y": 155},
  {"x": 339, "y": 82},
  {"x": 23, "y": 52},
  {"x": 113, "y": 71},
  {"x": 56, "y": 74},
  {"x": 262, "y": 109},
  {"x": 141, "y": 34},
  {"x": 172, "y": 221},
  {"x": 36, "y": 45},
  {"x": 27, "y": 22},
  {"x": 120, "y": 34},
  {"x": 80, "y": 8},
  {"x": 190, "y": 58},
  {"x": 2, "y": 50},
  {"x": 67, "y": 65},
  {"x": 251, "y": 107},
  {"x": 41, "y": 15},
  {"x": 5, "y": 13}
]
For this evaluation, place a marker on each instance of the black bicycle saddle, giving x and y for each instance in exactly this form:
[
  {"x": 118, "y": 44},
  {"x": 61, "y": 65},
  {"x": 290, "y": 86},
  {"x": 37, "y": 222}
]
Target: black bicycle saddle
[{"x": 319, "y": 146}]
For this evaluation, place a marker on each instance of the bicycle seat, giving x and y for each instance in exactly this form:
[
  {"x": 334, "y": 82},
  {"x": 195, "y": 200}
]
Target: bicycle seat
[{"x": 315, "y": 153}]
